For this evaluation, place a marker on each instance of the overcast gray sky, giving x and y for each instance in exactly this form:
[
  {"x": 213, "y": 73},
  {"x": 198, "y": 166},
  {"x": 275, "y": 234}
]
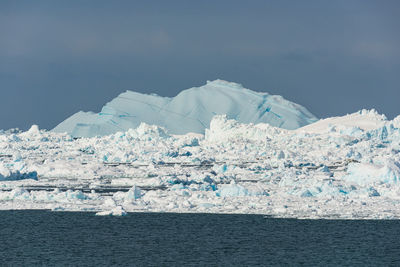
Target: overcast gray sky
[{"x": 59, "y": 57}]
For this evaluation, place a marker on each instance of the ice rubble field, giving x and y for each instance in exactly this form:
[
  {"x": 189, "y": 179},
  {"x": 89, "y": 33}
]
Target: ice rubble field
[{"x": 341, "y": 167}]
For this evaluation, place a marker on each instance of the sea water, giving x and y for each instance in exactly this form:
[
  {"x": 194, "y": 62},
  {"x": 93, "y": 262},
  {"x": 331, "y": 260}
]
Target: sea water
[{"x": 29, "y": 238}]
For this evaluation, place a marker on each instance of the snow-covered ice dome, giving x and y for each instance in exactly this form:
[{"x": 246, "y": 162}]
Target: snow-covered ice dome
[{"x": 190, "y": 111}]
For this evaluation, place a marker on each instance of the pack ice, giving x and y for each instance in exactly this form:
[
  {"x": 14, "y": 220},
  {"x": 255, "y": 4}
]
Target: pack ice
[
  {"x": 189, "y": 111},
  {"x": 345, "y": 167}
]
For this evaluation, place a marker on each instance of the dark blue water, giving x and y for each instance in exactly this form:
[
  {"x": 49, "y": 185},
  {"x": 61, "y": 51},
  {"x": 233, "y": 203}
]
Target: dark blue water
[{"x": 160, "y": 239}]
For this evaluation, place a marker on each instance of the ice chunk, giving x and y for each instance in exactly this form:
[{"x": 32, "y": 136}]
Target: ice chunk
[
  {"x": 396, "y": 122},
  {"x": 236, "y": 190},
  {"x": 117, "y": 211},
  {"x": 223, "y": 129},
  {"x": 11, "y": 174},
  {"x": 32, "y": 133},
  {"x": 365, "y": 174},
  {"x": 189, "y": 111},
  {"x": 19, "y": 193},
  {"x": 34, "y": 130},
  {"x": 133, "y": 193},
  {"x": 232, "y": 190},
  {"x": 307, "y": 193}
]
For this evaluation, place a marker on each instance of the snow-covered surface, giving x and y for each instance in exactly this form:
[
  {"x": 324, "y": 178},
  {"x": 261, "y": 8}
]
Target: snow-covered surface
[
  {"x": 342, "y": 167},
  {"x": 362, "y": 120},
  {"x": 189, "y": 111}
]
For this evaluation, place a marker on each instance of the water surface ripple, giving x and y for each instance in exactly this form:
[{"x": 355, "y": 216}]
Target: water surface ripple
[{"x": 166, "y": 239}]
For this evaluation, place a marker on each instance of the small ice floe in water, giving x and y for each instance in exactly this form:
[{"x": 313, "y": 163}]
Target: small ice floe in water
[{"x": 117, "y": 211}]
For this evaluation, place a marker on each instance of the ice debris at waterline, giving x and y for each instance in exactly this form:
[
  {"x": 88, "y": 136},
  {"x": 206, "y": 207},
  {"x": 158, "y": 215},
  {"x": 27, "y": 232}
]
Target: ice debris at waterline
[
  {"x": 342, "y": 167},
  {"x": 189, "y": 111}
]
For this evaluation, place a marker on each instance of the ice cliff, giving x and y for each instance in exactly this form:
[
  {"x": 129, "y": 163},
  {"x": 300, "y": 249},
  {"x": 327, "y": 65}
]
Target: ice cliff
[{"x": 189, "y": 111}]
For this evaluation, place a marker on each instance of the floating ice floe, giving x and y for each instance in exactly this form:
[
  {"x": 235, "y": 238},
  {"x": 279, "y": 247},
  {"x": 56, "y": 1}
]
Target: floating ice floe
[{"x": 117, "y": 211}]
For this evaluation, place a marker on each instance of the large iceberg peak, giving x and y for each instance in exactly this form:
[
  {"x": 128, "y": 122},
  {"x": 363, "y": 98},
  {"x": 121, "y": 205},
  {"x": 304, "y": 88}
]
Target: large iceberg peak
[
  {"x": 223, "y": 83},
  {"x": 189, "y": 111}
]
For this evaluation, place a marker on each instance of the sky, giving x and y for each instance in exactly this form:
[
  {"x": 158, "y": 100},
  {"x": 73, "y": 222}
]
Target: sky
[{"x": 60, "y": 57}]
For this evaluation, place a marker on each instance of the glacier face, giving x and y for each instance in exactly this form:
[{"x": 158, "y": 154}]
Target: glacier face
[{"x": 189, "y": 111}]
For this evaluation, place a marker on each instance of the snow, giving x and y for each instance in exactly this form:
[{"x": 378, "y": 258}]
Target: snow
[
  {"x": 345, "y": 167},
  {"x": 189, "y": 111},
  {"x": 348, "y": 124}
]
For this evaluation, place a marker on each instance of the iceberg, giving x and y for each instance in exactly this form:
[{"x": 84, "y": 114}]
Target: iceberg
[{"x": 190, "y": 111}]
